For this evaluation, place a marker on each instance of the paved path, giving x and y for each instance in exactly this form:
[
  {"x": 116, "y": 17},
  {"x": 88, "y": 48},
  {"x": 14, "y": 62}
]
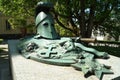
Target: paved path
[{"x": 4, "y": 63}]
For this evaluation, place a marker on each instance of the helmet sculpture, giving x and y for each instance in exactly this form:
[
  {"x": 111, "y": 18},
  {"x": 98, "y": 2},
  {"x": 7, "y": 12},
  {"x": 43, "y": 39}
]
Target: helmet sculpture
[{"x": 45, "y": 22}]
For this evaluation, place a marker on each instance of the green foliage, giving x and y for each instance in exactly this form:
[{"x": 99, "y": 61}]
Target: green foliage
[
  {"x": 63, "y": 32},
  {"x": 112, "y": 24},
  {"x": 111, "y": 50},
  {"x": 1, "y": 41},
  {"x": 93, "y": 15},
  {"x": 19, "y": 8},
  {"x": 17, "y": 22},
  {"x": 0, "y": 50},
  {"x": 18, "y": 11},
  {"x": 79, "y": 17}
]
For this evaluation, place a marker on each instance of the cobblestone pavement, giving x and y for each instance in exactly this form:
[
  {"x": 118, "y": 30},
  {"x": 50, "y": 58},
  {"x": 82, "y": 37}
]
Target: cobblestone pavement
[{"x": 4, "y": 63}]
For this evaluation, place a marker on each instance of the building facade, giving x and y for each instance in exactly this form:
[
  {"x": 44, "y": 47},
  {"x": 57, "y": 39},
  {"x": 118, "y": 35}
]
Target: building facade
[
  {"x": 5, "y": 27},
  {"x": 6, "y": 30}
]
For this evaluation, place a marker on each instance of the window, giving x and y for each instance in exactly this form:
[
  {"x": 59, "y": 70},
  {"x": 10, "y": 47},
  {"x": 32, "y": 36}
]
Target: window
[{"x": 8, "y": 26}]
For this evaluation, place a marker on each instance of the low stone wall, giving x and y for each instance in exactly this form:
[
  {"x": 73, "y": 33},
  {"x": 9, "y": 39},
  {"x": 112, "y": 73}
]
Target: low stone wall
[{"x": 27, "y": 69}]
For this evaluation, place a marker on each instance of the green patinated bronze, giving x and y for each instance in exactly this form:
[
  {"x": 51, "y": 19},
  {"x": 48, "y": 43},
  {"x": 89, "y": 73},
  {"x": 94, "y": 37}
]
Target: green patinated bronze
[{"x": 47, "y": 47}]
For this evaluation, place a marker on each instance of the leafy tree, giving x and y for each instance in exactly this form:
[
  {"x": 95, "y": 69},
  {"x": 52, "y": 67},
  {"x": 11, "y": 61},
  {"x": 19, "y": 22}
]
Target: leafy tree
[
  {"x": 80, "y": 17},
  {"x": 112, "y": 24},
  {"x": 19, "y": 11}
]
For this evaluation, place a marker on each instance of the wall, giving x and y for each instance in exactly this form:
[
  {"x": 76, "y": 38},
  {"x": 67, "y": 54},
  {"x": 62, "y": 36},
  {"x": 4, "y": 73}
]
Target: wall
[{"x": 3, "y": 26}]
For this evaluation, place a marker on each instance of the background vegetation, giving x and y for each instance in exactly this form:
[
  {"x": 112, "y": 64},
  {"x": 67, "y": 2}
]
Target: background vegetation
[
  {"x": 111, "y": 50},
  {"x": 77, "y": 17},
  {"x": 0, "y": 43}
]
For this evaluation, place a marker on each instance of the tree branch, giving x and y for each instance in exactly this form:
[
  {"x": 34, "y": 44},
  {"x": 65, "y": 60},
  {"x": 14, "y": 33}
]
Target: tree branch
[
  {"x": 24, "y": 7},
  {"x": 106, "y": 13},
  {"x": 57, "y": 20},
  {"x": 61, "y": 15}
]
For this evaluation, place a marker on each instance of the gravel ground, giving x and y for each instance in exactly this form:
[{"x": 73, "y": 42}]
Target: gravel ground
[{"x": 4, "y": 63}]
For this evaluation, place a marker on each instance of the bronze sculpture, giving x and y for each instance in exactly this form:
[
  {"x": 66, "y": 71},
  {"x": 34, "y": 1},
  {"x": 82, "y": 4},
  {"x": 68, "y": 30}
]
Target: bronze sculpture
[{"x": 48, "y": 47}]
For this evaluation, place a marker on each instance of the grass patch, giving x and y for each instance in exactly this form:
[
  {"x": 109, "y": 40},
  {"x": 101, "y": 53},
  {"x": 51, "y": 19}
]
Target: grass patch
[
  {"x": 1, "y": 50},
  {"x": 111, "y": 50},
  {"x": 1, "y": 41}
]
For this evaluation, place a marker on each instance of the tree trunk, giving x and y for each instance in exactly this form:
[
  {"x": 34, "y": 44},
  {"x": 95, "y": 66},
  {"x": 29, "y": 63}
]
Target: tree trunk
[
  {"x": 23, "y": 31},
  {"x": 86, "y": 28},
  {"x": 116, "y": 38},
  {"x": 91, "y": 19},
  {"x": 82, "y": 19}
]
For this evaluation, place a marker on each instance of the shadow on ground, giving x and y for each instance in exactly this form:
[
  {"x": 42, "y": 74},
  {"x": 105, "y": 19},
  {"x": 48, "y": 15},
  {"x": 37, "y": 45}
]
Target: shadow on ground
[
  {"x": 4, "y": 64},
  {"x": 3, "y": 56}
]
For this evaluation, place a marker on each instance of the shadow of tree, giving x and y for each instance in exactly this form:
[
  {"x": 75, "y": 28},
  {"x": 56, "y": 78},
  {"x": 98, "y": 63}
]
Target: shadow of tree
[
  {"x": 4, "y": 58},
  {"x": 4, "y": 63}
]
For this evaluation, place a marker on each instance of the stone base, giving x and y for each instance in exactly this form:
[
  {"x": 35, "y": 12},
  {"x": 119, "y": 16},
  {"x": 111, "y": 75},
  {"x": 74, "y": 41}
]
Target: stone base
[{"x": 27, "y": 69}]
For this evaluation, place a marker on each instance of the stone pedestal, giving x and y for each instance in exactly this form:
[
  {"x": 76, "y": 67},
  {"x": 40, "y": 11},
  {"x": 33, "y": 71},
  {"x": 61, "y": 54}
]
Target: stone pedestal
[{"x": 27, "y": 69}]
